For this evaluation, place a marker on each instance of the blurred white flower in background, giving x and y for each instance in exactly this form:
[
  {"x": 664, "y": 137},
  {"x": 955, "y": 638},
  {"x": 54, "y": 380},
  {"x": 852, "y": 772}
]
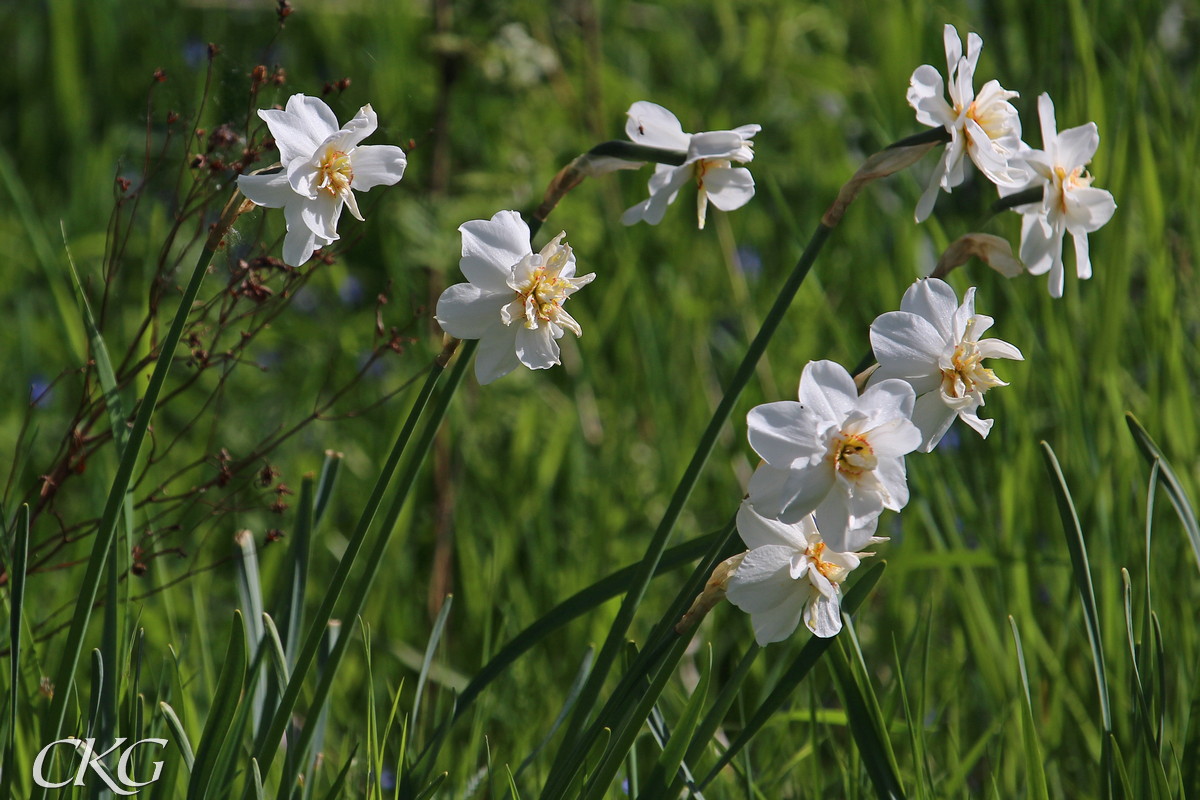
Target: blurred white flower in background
[
  {"x": 516, "y": 58},
  {"x": 709, "y": 163},
  {"x": 513, "y": 303},
  {"x": 933, "y": 343},
  {"x": 789, "y": 575},
  {"x": 1070, "y": 204},
  {"x": 984, "y": 126},
  {"x": 323, "y": 165},
  {"x": 834, "y": 453}
]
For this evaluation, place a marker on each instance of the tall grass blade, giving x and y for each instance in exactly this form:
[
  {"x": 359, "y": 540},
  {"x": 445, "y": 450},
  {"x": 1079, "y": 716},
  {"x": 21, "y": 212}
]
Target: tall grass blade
[
  {"x": 250, "y": 595},
  {"x": 178, "y": 735},
  {"x": 339, "y": 784},
  {"x": 866, "y": 726},
  {"x": 221, "y": 713},
  {"x": 435, "y": 637},
  {"x": 1035, "y": 769},
  {"x": 290, "y": 609},
  {"x": 16, "y": 600},
  {"x": 1179, "y": 499}
]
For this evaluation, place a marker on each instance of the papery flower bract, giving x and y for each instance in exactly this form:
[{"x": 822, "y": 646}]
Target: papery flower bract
[
  {"x": 513, "y": 303},
  {"x": 933, "y": 343},
  {"x": 323, "y": 166},
  {"x": 984, "y": 126},
  {"x": 789, "y": 574},
  {"x": 709, "y": 162},
  {"x": 1070, "y": 204},
  {"x": 834, "y": 452}
]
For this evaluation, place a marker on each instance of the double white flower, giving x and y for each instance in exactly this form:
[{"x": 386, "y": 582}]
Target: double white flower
[
  {"x": 834, "y": 453},
  {"x": 789, "y": 574},
  {"x": 513, "y": 303},
  {"x": 1070, "y": 204},
  {"x": 984, "y": 126},
  {"x": 323, "y": 165},
  {"x": 933, "y": 343},
  {"x": 709, "y": 163}
]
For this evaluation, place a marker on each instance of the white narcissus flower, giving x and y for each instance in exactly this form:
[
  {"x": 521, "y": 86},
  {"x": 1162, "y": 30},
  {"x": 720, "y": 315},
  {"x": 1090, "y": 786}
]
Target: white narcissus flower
[
  {"x": 323, "y": 165},
  {"x": 513, "y": 303},
  {"x": 933, "y": 343},
  {"x": 984, "y": 126},
  {"x": 709, "y": 162},
  {"x": 789, "y": 575},
  {"x": 1070, "y": 204},
  {"x": 835, "y": 453}
]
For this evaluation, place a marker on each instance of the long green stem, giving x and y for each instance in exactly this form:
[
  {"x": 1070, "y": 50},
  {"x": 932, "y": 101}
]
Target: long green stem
[
  {"x": 616, "y": 635},
  {"x": 107, "y": 530},
  {"x": 268, "y": 743}
]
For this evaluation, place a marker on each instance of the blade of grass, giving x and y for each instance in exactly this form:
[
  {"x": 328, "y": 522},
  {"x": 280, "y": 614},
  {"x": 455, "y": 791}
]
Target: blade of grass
[
  {"x": 16, "y": 600},
  {"x": 1035, "y": 769},
  {"x": 862, "y": 713},
  {"x": 1087, "y": 596},
  {"x": 1170, "y": 480},
  {"x": 435, "y": 636},
  {"x": 178, "y": 734},
  {"x": 221, "y": 713}
]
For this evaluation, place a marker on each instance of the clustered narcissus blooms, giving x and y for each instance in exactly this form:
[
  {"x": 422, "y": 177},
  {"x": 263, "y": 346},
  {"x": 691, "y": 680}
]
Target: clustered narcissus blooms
[
  {"x": 833, "y": 461},
  {"x": 513, "y": 302},
  {"x": 323, "y": 165},
  {"x": 987, "y": 128},
  {"x": 709, "y": 162}
]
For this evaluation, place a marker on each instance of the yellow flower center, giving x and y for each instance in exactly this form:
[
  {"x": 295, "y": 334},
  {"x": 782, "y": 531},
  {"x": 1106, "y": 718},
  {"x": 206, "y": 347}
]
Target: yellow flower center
[
  {"x": 335, "y": 172},
  {"x": 966, "y": 373},
  {"x": 1066, "y": 181},
  {"x": 852, "y": 455},
  {"x": 547, "y": 293},
  {"x": 834, "y": 572},
  {"x": 991, "y": 118}
]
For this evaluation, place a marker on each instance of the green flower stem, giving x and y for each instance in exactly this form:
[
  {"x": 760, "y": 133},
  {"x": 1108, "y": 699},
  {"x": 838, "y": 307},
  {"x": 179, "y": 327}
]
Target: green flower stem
[
  {"x": 268, "y": 743},
  {"x": 400, "y": 494},
  {"x": 106, "y": 532},
  {"x": 616, "y": 635}
]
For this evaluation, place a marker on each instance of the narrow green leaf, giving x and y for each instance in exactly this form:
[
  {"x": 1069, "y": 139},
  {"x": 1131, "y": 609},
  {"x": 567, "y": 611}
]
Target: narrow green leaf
[
  {"x": 1179, "y": 499},
  {"x": 325, "y": 483},
  {"x": 564, "y": 712},
  {"x": 873, "y": 745},
  {"x": 432, "y": 788},
  {"x": 730, "y": 687},
  {"x": 221, "y": 713},
  {"x": 275, "y": 652},
  {"x": 178, "y": 734},
  {"x": 339, "y": 784},
  {"x": 1035, "y": 769},
  {"x": 250, "y": 597},
  {"x": 512, "y": 784},
  {"x": 16, "y": 601},
  {"x": 435, "y": 637},
  {"x": 676, "y": 747},
  {"x": 290, "y": 609},
  {"x": 1083, "y": 578},
  {"x": 256, "y": 780}
]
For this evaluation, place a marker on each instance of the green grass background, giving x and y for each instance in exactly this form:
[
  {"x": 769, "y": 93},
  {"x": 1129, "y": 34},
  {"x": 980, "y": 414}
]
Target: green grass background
[{"x": 550, "y": 481}]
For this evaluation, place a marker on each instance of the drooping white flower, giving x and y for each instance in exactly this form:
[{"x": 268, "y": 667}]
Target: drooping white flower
[
  {"x": 1070, "y": 204},
  {"x": 834, "y": 452},
  {"x": 709, "y": 163},
  {"x": 933, "y": 343},
  {"x": 323, "y": 165},
  {"x": 513, "y": 303},
  {"x": 984, "y": 126},
  {"x": 789, "y": 575}
]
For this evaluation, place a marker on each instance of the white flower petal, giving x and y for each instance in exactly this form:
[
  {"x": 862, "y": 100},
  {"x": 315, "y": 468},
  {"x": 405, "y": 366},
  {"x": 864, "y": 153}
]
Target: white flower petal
[
  {"x": 996, "y": 348},
  {"x": 823, "y": 615},
  {"x": 729, "y": 189},
  {"x": 933, "y": 300},
  {"x": 490, "y": 248},
  {"x": 652, "y": 125},
  {"x": 887, "y": 400},
  {"x": 664, "y": 186},
  {"x": 781, "y": 432},
  {"x": 891, "y": 475},
  {"x": 377, "y": 165},
  {"x": 301, "y": 127},
  {"x": 907, "y": 346},
  {"x": 759, "y": 531},
  {"x": 535, "y": 347},
  {"x": 1083, "y": 261},
  {"x": 497, "y": 354},
  {"x": 933, "y": 418},
  {"x": 926, "y": 95},
  {"x": 360, "y": 127},
  {"x": 321, "y": 214},
  {"x": 465, "y": 311},
  {"x": 272, "y": 191},
  {"x": 789, "y": 495},
  {"x": 828, "y": 391},
  {"x": 301, "y": 241},
  {"x": 1075, "y": 147}
]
